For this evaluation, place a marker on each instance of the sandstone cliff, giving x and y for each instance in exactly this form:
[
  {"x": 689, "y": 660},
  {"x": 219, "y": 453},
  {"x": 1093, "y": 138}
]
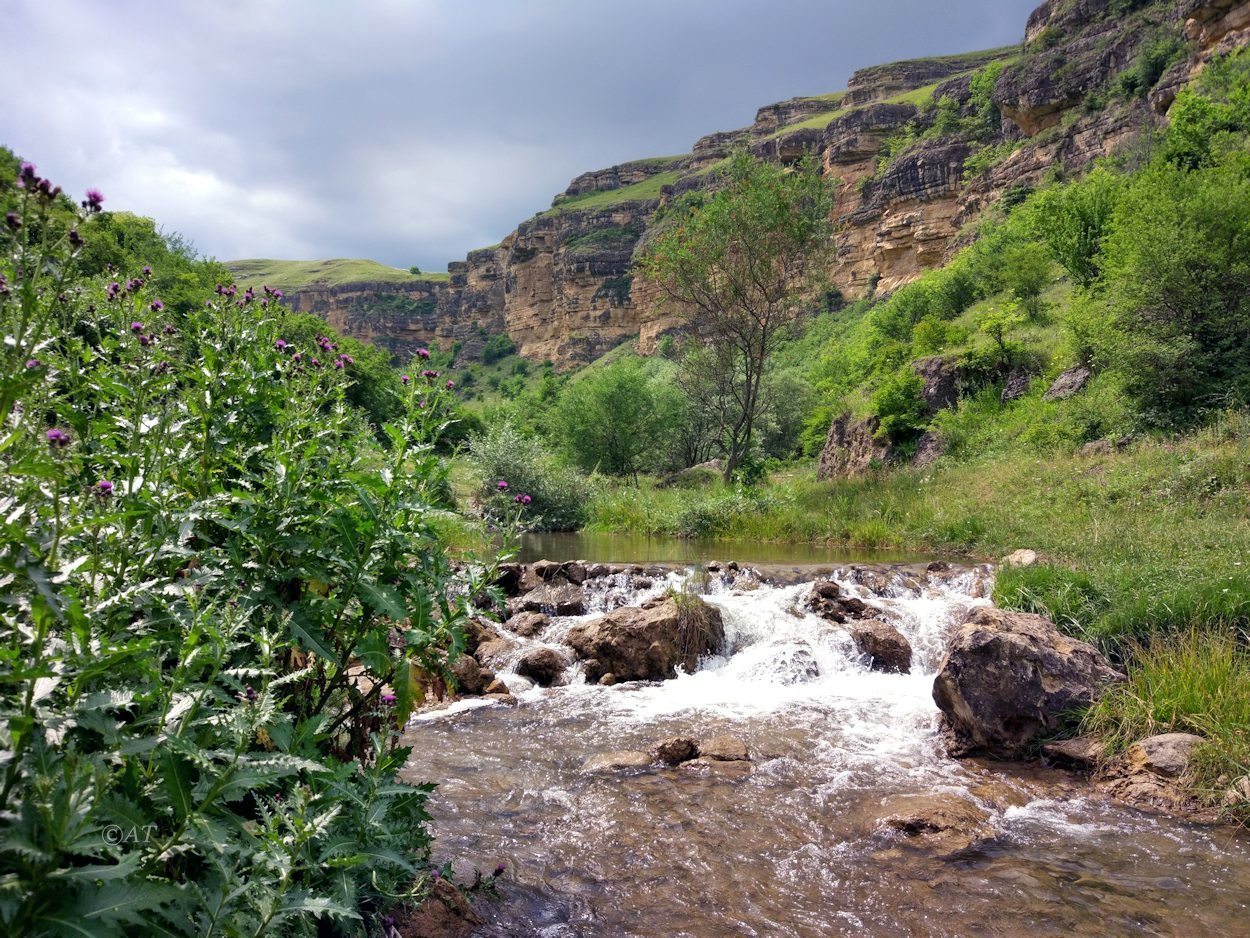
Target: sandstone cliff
[{"x": 918, "y": 149}]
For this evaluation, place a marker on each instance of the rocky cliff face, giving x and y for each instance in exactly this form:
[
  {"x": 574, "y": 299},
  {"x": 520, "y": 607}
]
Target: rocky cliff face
[{"x": 560, "y": 285}]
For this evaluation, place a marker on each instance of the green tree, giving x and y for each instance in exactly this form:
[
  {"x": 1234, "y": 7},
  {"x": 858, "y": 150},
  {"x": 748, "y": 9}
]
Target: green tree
[
  {"x": 738, "y": 267},
  {"x": 1073, "y": 220},
  {"x": 1026, "y": 272},
  {"x": 614, "y": 419}
]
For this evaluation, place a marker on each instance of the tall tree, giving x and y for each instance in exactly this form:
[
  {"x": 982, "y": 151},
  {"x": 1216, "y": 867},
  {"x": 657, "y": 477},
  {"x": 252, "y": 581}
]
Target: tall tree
[{"x": 738, "y": 264}]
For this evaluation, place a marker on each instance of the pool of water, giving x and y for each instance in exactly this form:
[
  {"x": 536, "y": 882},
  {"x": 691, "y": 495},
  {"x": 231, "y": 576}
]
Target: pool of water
[{"x": 640, "y": 548}]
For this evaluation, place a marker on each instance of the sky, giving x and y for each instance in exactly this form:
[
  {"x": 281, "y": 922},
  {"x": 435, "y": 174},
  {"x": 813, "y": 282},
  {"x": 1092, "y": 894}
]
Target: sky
[{"x": 412, "y": 131}]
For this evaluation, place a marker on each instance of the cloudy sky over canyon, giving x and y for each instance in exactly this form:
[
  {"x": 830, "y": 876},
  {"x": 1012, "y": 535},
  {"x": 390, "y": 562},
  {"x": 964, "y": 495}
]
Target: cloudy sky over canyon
[{"x": 411, "y": 131}]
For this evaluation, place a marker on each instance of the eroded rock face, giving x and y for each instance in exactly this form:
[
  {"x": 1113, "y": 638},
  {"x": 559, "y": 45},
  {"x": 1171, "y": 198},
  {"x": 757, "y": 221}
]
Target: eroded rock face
[
  {"x": 852, "y": 448},
  {"x": 1010, "y": 677},
  {"x": 647, "y": 643}
]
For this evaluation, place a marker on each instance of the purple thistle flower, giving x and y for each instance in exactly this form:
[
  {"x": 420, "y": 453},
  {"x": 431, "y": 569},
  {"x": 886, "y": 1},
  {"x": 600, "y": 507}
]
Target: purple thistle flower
[
  {"x": 157, "y": 306},
  {"x": 339, "y": 364},
  {"x": 57, "y": 438},
  {"x": 75, "y": 239},
  {"x": 94, "y": 201},
  {"x": 404, "y": 379},
  {"x": 170, "y": 330},
  {"x": 134, "y": 285},
  {"x": 436, "y": 875},
  {"x": 525, "y": 499},
  {"x": 297, "y": 357},
  {"x": 389, "y": 699},
  {"x": 146, "y": 340},
  {"x": 347, "y": 359},
  {"x": 277, "y": 294},
  {"x": 501, "y": 485},
  {"x": 147, "y": 271},
  {"x": 280, "y": 345},
  {"x": 104, "y": 488},
  {"x": 429, "y": 375},
  {"x": 250, "y": 694},
  {"x": 136, "y": 327},
  {"x": 26, "y": 175},
  {"x": 13, "y": 220},
  {"x": 499, "y": 870},
  {"x": 316, "y": 363},
  {"x": 33, "y": 363},
  {"x": 423, "y": 353}
]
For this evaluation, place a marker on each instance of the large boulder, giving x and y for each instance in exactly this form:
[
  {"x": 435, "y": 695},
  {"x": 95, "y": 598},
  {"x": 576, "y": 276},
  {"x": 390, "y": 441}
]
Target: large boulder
[
  {"x": 1068, "y": 383},
  {"x": 555, "y": 599},
  {"x": 648, "y": 642},
  {"x": 543, "y": 666},
  {"x": 1011, "y": 677},
  {"x": 471, "y": 677},
  {"x": 886, "y": 647},
  {"x": 829, "y": 601}
]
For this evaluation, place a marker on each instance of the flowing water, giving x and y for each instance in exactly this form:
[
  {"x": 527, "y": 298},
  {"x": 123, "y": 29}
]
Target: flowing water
[{"x": 793, "y": 843}]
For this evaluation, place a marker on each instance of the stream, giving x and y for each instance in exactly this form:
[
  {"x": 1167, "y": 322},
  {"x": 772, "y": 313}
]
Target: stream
[{"x": 793, "y": 843}]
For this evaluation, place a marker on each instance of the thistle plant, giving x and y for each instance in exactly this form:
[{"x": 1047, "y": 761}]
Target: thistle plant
[{"x": 221, "y": 594}]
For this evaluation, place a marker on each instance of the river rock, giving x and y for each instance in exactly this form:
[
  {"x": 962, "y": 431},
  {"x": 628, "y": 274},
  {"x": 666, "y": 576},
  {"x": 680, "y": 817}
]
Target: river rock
[
  {"x": 493, "y": 653},
  {"x": 477, "y": 631},
  {"x": 828, "y": 600},
  {"x": 555, "y": 599},
  {"x": 508, "y": 578},
  {"x": 793, "y": 663},
  {"x": 886, "y": 647},
  {"x": 468, "y": 675},
  {"x": 1167, "y": 755},
  {"x": 528, "y": 624},
  {"x": 724, "y": 749},
  {"x": 496, "y": 687},
  {"x": 1081, "y": 752},
  {"x": 648, "y": 642},
  {"x": 677, "y": 750},
  {"x": 942, "y": 823},
  {"x": 574, "y": 571},
  {"x": 1153, "y": 773},
  {"x": 444, "y": 913},
  {"x": 616, "y": 761},
  {"x": 1010, "y": 677},
  {"x": 543, "y": 666},
  {"x": 545, "y": 570}
]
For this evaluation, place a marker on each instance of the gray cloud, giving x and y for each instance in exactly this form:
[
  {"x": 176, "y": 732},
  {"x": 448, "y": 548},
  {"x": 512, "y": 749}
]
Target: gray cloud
[{"x": 414, "y": 130}]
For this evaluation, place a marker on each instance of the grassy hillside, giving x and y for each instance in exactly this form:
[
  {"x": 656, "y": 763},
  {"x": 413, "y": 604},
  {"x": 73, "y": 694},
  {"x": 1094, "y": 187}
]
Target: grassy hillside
[{"x": 292, "y": 275}]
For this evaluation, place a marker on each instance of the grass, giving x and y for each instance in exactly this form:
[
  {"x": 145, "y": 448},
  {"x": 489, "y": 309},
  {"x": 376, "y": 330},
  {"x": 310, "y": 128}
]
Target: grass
[
  {"x": 646, "y": 191},
  {"x": 1198, "y": 683},
  {"x": 293, "y": 275}
]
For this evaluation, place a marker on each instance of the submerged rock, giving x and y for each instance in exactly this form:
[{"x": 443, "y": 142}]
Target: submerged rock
[
  {"x": 1010, "y": 677},
  {"x": 648, "y": 642},
  {"x": 827, "y": 600},
  {"x": 677, "y": 750},
  {"x": 616, "y": 761},
  {"x": 943, "y": 824},
  {"x": 724, "y": 749},
  {"x": 886, "y": 647}
]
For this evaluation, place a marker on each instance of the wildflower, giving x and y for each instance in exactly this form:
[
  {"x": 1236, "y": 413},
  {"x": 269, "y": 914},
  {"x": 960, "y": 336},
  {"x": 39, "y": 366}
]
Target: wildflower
[
  {"x": 104, "y": 488},
  {"x": 277, "y": 294},
  {"x": 26, "y": 176},
  {"x": 94, "y": 202},
  {"x": 423, "y": 353},
  {"x": 339, "y": 364},
  {"x": 249, "y": 295},
  {"x": 136, "y": 327},
  {"x": 146, "y": 340},
  {"x": 429, "y": 375},
  {"x": 33, "y": 363},
  {"x": 499, "y": 870},
  {"x": 57, "y": 438},
  {"x": 451, "y": 385},
  {"x": 157, "y": 306},
  {"x": 250, "y": 694},
  {"x": 170, "y": 330},
  {"x": 347, "y": 360},
  {"x": 523, "y": 499},
  {"x": 134, "y": 285},
  {"x": 436, "y": 875},
  {"x": 389, "y": 699},
  {"x": 404, "y": 379},
  {"x": 316, "y": 363},
  {"x": 501, "y": 485},
  {"x": 13, "y": 220},
  {"x": 75, "y": 239},
  {"x": 280, "y": 345},
  {"x": 147, "y": 271},
  {"x": 113, "y": 290},
  {"x": 297, "y": 357}
]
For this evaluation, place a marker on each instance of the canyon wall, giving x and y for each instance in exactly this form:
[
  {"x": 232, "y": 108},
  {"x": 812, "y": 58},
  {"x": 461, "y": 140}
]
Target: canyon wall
[{"x": 560, "y": 285}]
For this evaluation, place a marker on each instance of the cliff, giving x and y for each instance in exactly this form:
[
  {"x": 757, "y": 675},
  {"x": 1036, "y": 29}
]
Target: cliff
[{"x": 918, "y": 149}]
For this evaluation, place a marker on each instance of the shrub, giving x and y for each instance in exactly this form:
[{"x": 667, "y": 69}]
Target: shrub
[
  {"x": 558, "y": 494},
  {"x": 201, "y": 544},
  {"x": 898, "y": 405},
  {"x": 497, "y": 348}
]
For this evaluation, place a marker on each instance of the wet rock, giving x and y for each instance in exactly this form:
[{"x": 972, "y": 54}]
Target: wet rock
[
  {"x": 598, "y": 571},
  {"x": 496, "y": 687},
  {"x": 887, "y": 647},
  {"x": 1068, "y": 383},
  {"x": 1020, "y": 558},
  {"x": 1010, "y": 677},
  {"x": 574, "y": 571},
  {"x": 828, "y": 600},
  {"x": 616, "y": 761},
  {"x": 943, "y": 824},
  {"x": 493, "y": 653},
  {"x": 561, "y": 600},
  {"x": 509, "y": 578},
  {"x": 506, "y": 698},
  {"x": 1166, "y": 755},
  {"x": 718, "y": 768},
  {"x": 724, "y": 749},
  {"x": 608, "y": 680},
  {"x": 444, "y": 913},
  {"x": 643, "y": 583},
  {"x": 478, "y": 631},
  {"x": 468, "y": 675},
  {"x": 649, "y": 642},
  {"x": 528, "y": 624},
  {"x": 677, "y": 750},
  {"x": 543, "y": 666},
  {"x": 794, "y": 664},
  {"x": 545, "y": 570},
  {"x": 1080, "y": 752}
]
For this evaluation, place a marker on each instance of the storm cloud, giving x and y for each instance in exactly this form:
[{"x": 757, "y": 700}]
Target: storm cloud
[{"x": 411, "y": 131}]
